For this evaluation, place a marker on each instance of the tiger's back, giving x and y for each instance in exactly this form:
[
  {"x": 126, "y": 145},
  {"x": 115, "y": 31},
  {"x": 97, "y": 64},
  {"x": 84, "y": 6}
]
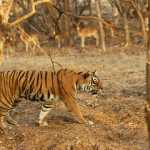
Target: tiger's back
[
  {"x": 31, "y": 84},
  {"x": 46, "y": 86}
]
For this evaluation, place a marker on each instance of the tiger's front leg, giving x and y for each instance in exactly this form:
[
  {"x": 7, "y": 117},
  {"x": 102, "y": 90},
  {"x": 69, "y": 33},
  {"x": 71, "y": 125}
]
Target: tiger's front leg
[
  {"x": 46, "y": 108},
  {"x": 72, "y": 106}
]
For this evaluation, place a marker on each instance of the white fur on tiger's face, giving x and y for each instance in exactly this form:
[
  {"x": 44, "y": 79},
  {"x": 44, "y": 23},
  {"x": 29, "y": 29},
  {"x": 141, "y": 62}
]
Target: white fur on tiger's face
[{"x": 92, "y": 83}]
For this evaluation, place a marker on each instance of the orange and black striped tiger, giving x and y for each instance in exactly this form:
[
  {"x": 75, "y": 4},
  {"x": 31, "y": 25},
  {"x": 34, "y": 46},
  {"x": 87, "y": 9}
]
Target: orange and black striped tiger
[{"x": 46, "y": 86}]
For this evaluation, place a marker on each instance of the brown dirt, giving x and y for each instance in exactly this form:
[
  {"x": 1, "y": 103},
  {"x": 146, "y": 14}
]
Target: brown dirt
[{"x": 119, "y": 117}]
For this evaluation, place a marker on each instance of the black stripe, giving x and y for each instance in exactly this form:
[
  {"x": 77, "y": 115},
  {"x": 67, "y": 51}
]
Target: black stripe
[
  {"x": 58, "y": 79},
  {"x": 19, "y": 74},
  {"x": 46, "y": 78},
  {"x": 10, "y": 79},
  {"x": 12, "y": 72},
  {"x": 65, "y": 72},
  {"x": 31, "y": 86},
  {"x": 44, "y": 110},
  {"x": 4, "y": 91},
  {"x": 48, "y": 94},
  {"x": 24, "y": 85},
  {"x": 12, "y": 76},
  {"x": 77, "y": 83},
  {"x": 16, "y": 83},
  {"x": 40, "y": 91},
  {"x": 9, "y": 102},
  {"x": 22, "y": 75},
  {"x": 42, "y": 97},
  {"x": 80, "y": 73},
  {"x": 53, "y": 91},
  {"x": 26, "y": 94},
  {"x": 41, "y": 73},
  {"x": 71, "y": 71},
  {"x": 25, "y": 81},
  {"x": 32, "y": 74},
  {"x": 47, "y": 106},
  {"x": 37, "y": 81},
  {"x": 4, "y": 103},
  {"x": 3, "y": 110}
]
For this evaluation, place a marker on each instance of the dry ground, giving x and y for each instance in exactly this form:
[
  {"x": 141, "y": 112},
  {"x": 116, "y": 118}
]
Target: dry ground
[{"x": 119, "y": 117}]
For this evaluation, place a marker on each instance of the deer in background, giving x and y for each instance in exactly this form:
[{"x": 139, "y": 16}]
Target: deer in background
[
  {"x": 61, "y": 38},
  {"x": 29, "y": 39},
  {"x": 107, "y": 27},
  {"x": 84, "y": 32},
  {"x": 10, "y": 44},
  {"x": 65, "y": 36}
]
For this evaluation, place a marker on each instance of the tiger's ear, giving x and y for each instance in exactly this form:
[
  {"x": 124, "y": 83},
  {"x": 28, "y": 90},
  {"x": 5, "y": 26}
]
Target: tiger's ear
[
  {"x": 86, "y": 75},
  {"x": 95, "y": 72}
]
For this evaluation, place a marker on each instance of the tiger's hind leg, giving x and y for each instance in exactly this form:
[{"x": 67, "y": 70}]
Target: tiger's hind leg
[
  {"x": 10, "y": 120},
  {"x": 8, "y": 117},
  {"x": 5, "y": 106},
  {"x": 3, "y": 113},
  {"x": 2, "y": 124},
  {"x": 46, "y": 108}
]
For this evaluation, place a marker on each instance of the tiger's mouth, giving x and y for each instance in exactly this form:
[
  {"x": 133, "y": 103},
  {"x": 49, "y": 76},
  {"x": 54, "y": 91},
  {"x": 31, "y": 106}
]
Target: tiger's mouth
[{"x": 96, "y": 91}]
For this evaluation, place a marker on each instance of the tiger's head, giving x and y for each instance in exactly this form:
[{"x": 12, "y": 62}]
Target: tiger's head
[{"x": 89, "y": 82}]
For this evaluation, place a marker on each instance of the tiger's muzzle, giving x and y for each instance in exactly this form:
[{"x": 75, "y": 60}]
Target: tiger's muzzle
[{"x": 96, "y": 91}]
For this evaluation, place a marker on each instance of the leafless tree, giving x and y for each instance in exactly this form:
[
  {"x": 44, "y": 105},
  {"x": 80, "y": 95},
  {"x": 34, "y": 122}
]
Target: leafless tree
[
  {"x": 132, "y": 7},
  {"x": 5, "y": 26},
  {"x": 126, "y": 26},
  {"x": 148, "y": 75},
  {"x": 102, "y": 33}
]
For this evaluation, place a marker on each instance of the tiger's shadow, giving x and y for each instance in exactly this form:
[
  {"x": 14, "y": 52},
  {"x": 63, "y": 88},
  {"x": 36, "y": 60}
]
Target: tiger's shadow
[{"x": 64, "y": 118}]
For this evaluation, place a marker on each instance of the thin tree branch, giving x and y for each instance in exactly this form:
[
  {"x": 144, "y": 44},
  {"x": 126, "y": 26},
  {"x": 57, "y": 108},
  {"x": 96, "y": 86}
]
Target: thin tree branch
[
  {"x": 33, "y": 11},
  {"x": 85, "y": 17}
]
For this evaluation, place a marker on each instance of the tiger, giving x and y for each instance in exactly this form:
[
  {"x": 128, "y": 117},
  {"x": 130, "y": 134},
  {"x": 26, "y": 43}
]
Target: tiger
[{"x": 47, "y": 87}]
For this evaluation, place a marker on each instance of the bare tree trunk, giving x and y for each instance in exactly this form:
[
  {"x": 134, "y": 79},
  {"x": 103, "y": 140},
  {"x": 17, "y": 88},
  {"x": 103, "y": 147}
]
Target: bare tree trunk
[
  {"x": 148, "y": 75},
  {"x": 102, "y": 33},
  {"x": 1, "y": 37},
  {"x": 135, "y": 6},
  {"x": 5, "y": 8},
  {"x": 7, "y": 5},
  {"x": 126, "y": 26},
  {"x": 67, "y": 9},
  {"x": 1, "y": 49},
  {"x": 90, "y": 7},
  {"x": 90, "y": 11},
  {"x": 1, "y": 11}
]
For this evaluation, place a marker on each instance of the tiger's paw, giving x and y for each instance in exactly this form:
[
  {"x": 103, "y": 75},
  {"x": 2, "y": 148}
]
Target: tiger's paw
[
  {"x": 5, "y": 128},
  {"x": 13, "y": 122},
  {"x": 42, "y": 124},
  {"x": 89, "y": 122}
]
